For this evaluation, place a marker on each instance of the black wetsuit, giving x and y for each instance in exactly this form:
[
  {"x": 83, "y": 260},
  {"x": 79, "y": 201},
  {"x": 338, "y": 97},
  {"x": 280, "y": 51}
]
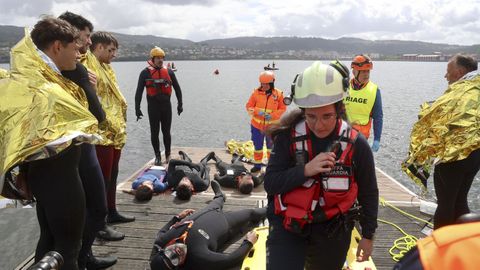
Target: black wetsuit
[
  {"x": 229, "y": 172},
  {"x": 211, "y": 230},
  {"x": 315, "y": 250},
  {"x": 198, "y": 173},
  {"x": 89, "y": 169},
  {"x": 159, "y": 110},
  {"x": 58, "y": 189}
]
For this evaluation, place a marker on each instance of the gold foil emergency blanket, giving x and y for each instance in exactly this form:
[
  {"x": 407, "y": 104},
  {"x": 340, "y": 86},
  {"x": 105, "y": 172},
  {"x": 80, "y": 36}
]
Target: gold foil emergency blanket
[
  {"x": 447, "y": 130},
  {"x": 41, "y": 112},
  {"x": 4, "y": 73},
  {"x": 113, "y": 129}
]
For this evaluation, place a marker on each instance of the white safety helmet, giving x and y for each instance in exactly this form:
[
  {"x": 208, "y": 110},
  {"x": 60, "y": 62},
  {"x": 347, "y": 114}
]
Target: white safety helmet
[{"x": 320, "y": 85}]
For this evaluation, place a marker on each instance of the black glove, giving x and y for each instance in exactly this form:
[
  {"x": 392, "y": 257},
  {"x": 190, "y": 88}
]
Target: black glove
[
  {"x": 139, "y": 114},
  {"x": 179, "y": 109}
]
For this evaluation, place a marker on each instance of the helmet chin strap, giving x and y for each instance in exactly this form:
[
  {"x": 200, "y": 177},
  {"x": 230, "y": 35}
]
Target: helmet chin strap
[{"x": 356, "y": 78}]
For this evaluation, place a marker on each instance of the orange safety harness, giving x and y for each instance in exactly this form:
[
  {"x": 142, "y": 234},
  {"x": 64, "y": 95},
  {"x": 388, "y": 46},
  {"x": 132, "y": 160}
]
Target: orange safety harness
[
  {"x": 183, "y": 237},
  {"x": 335, "y": 192},
  {"x": 159, "y": 81}
]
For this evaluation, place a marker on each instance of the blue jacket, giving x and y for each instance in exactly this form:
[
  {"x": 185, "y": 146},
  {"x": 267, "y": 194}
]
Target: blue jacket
[{"x": 155, "y": 176}]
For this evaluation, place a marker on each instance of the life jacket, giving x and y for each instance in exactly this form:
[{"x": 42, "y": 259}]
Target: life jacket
[
  {"x": 451, "y": 247},
  {"x": 159, "y": 80},
  {"x": 335, "y": 192},
  {"x": 359, "y": 106},
  {"x": 271, "y": 103}
]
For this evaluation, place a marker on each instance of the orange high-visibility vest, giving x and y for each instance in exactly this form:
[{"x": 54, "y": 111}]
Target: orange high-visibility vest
[{"x": 454, "y": 247}]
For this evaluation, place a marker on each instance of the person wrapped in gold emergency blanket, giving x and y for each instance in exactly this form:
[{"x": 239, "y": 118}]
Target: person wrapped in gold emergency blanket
[
  {"x": 43, "y": 119},
  {"x": 447, "y": 135}
]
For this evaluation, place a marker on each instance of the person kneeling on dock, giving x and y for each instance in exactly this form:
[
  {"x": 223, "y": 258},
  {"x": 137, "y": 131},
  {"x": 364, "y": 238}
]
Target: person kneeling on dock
[
  {"x": 192, "y": 240},
  {"x": 235, "y": 175},
  {"x": 186, "y": 177}
]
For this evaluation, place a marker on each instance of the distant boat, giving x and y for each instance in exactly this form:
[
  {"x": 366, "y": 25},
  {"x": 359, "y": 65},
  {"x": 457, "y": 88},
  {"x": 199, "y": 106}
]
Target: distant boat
[
  {"x": 216, "y": 72},
  {"x": 268, "y": 67}
]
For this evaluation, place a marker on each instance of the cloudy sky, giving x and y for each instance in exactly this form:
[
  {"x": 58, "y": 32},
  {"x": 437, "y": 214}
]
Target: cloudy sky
[{"x": 439, "y": 21}]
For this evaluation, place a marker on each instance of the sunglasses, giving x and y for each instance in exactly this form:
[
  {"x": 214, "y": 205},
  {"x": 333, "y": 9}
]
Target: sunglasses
[{"x": 366, "y": 62}]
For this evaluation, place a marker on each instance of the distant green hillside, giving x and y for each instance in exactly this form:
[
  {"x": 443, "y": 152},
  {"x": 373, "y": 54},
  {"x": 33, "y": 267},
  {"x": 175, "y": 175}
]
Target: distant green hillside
[
  {"x": 341, "y": 45},
  {"x": 136, "y": 47},
  {"x": 9, "y": 35}
]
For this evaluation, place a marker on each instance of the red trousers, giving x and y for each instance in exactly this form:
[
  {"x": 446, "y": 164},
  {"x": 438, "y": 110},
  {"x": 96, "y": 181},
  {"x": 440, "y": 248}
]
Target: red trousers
[{"x": 108, "y": 157}]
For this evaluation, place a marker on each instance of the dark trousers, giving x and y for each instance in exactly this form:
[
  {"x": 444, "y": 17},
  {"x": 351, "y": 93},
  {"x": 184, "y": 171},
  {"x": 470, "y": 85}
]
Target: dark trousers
[
  {"x": 108, "y": 158},
  {"x": 56, "y": 185},
  {"x": 314, "y": 251},
  {"x": 160, "y": 113},
  {"x": 452, "y": 181},
  {"x": 95, "y": 197}
]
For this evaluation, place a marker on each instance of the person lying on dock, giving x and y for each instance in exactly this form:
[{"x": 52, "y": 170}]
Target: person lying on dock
[
  {"x": 151, "y": 182},
  {"x": 192, "y": 240},
  {"x": 186, "y": 177},
  {"x": 235, "y": 175}
]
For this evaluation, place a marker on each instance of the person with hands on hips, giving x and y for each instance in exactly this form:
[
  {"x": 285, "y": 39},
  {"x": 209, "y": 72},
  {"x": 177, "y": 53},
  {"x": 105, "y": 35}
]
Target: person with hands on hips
[
  {"x": 364, "y": 101},
  {"x": 320, "y": 173},
  {"x": 159, "y": 81}
]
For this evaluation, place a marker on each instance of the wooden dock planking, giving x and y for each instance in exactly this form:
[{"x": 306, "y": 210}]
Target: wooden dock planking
[{"x": 133, "y": 252}]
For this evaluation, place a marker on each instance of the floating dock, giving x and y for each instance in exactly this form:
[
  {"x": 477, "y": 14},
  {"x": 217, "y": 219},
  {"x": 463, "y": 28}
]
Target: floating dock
[{"x": 133, "y": 252}]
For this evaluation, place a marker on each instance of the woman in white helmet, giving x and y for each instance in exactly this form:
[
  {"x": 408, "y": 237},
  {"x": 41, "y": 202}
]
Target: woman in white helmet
[{"x": 319, "y": 174}]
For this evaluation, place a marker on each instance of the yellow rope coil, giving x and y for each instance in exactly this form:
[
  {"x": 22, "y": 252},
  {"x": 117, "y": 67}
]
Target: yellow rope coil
[{"x": 402, "y": 244}]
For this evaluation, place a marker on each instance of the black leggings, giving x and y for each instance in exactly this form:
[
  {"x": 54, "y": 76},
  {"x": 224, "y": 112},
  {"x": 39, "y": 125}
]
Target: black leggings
[
  {"x": 160, "y": 113},
  {"x": 96, "y": 202},
  {"x": 56, "y": 185},
  {"x": 452, "y": 181}
]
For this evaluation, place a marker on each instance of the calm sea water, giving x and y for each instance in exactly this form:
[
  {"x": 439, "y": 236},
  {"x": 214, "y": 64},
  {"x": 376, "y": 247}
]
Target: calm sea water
[{"x": 214, "y": 107}]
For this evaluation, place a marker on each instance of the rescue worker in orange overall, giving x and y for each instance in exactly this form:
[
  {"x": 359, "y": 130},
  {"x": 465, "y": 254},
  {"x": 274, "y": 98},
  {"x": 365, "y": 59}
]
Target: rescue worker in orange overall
[
  {"x": 320, "y": 178},
  {"x": 159, "y": 81},
  {"x": 450, "y": 247},
  {"x": 364, "y": 101},
  {"x": 265, "y": 106}
]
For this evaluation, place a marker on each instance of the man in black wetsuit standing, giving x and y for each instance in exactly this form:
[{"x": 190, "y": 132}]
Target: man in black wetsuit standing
[
  {"x": 89, "y": 168},
  {"x": 159, "y": 81},
  {"x": 192, "y": 241}
]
